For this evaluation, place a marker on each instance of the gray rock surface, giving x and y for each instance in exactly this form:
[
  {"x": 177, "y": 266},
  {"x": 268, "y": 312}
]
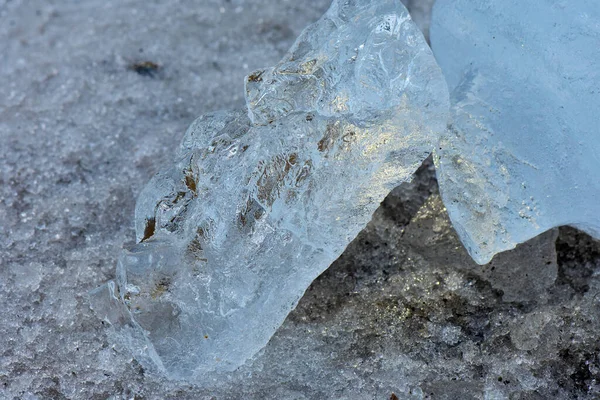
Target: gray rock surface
[{"x": 86, "y": 119}]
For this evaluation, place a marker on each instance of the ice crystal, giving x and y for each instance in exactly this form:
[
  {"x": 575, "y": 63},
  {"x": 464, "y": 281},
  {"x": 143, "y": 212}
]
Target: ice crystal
[
  {"x": 523, "y": 146},
  {"x": 259, "y": 203}
]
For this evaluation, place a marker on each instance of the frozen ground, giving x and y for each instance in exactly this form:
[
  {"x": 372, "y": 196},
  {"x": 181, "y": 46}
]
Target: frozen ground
[{"x": 95, "y": 96}]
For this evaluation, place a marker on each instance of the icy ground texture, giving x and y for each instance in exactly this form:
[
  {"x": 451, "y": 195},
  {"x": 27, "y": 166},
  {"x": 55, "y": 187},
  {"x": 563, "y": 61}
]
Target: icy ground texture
[
  {"x": 231, "y": 236},
  {"x": 84, "y": 132},
  {"x": 525, "y": 89}
]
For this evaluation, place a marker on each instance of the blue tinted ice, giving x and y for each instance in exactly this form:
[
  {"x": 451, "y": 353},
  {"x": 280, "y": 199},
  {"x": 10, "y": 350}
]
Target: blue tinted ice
[
  {"x": 523, "y": 151},
  {"x": 260, "y": 202}
]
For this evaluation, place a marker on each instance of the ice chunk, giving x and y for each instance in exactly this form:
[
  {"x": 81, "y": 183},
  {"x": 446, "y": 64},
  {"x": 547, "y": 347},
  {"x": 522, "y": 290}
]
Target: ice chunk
[
  {"x": 256, "y": 208},
  {"x": 524, "y": 142}
]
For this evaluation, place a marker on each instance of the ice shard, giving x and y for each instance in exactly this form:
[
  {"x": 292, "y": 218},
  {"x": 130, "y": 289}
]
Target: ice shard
[
  {"x": 259, "y": 202},
  {"x": 522, "y": 154}
]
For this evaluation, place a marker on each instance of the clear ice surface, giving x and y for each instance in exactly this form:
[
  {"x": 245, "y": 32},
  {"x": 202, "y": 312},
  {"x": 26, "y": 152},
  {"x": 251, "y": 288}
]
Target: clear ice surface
[
  {"x": 259, "y": 203},
  {"x": 522, "y": 153}
]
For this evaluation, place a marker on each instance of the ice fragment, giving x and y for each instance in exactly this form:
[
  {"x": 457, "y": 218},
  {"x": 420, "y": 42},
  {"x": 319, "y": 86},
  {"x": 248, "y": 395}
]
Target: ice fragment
[
  {"x": 259, "y": 203},
  {"x": 523, "y": 149}
]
